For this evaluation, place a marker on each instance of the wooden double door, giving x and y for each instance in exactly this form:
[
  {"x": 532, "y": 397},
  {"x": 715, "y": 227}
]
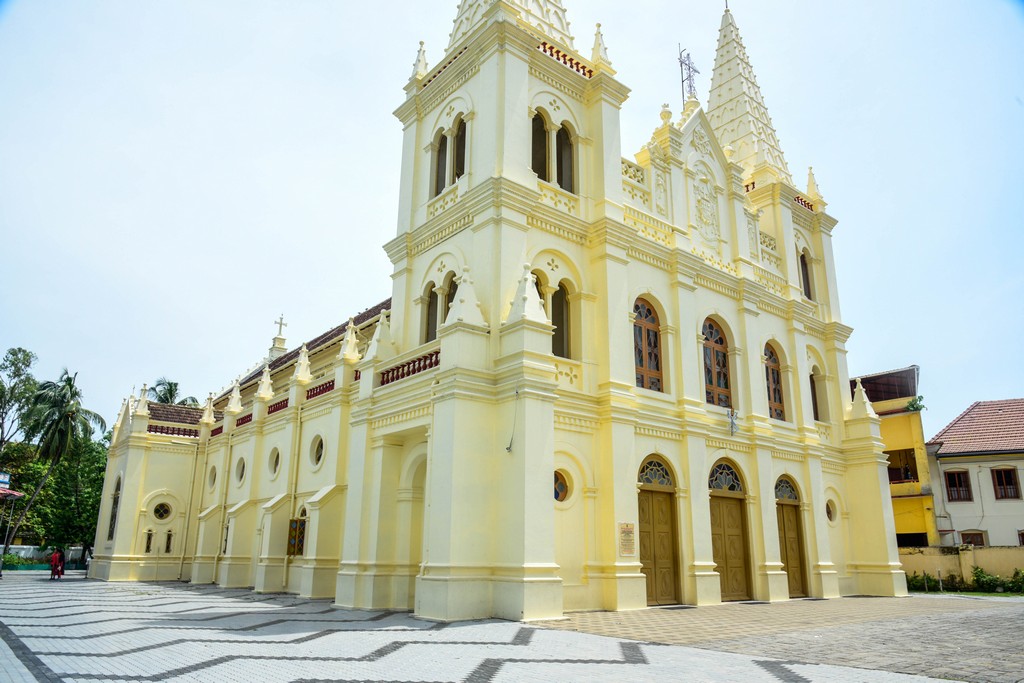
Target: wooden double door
[
  {"x": 729, "y": 546},
  {"x": 791, "y": 547},
  {"x": 657, "y": 536}
]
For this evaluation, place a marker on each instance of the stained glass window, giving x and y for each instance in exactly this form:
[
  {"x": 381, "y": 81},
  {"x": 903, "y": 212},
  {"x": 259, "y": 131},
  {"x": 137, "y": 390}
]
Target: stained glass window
[
  {"x": 561, "y": 487},
  {"x": 724, "y": 478},
  {"x": 716, "y": 366},
  {"x": 784, "y": 490},
  {"x": 647, "y": 346},
  {"x": 655, "y": 472},
  {"x": 297, "y": 536},
  {"x": 162, "y": 511},
  {"x": 773, "y": 382}
]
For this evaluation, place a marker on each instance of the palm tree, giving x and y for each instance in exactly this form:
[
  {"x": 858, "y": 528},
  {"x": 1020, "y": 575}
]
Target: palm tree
[
  {"x": 57, "y": 419},
  {"x": 166, "y": 391}
]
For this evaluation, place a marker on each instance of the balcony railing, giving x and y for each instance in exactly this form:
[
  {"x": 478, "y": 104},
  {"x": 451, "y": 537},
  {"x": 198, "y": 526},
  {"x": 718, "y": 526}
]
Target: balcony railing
[
  {"x": 412, "y": 367},
  {"x": 320, "y": 389}
]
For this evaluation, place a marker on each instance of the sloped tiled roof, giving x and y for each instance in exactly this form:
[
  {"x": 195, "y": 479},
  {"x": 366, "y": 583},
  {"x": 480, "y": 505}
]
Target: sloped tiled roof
[
  {"x": 985, "y": 427},
  {"x": 164, "y": 412},
  {"x": 319, "y": 341}
]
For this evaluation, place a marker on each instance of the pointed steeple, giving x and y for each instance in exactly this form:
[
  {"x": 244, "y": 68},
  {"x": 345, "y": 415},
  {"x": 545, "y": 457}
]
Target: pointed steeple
[
  {"x": 142, "y": 405},
  {"x": 526, "y": 305},
  {"x": 381, "y": 346},
  {"x": 265, "y": 390},
  {"x": 350, "y": 345},
  {"x": 861, "y": 407},
  {"x": 599, "y": 56},
  {"x": 545, "y": 16},
  {"x": 234, "y": 405},
  {"x": 466, "y": 307},
  {"x": 302, "y": 374},
  {"x": 736, "y": 110}
]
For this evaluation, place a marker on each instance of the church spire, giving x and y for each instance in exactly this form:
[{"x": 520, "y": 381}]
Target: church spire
[
  {"x": 736, "y": 110},
  {"x": 546, "y": 16}
]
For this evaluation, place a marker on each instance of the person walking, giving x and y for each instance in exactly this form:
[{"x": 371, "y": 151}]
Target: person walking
[
  {"x": 55, "y": 565},
  {"x": 60, "y": 568}
]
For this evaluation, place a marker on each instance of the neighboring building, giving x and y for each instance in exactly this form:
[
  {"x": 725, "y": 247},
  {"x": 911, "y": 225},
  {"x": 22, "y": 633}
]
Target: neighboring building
[
  {"x": 893, "y": 396},
  {"x": 655, "y": 342},
  {"x": 979, "y": 457}
]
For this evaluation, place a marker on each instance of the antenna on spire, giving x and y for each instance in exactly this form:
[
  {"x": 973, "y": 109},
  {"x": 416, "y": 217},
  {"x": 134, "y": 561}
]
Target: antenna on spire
[{"x": 687, "y": 71}]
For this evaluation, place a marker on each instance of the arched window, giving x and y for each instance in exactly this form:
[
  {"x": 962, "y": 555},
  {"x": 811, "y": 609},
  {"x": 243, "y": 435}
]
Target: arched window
[
  {"x": 819, "y": 407},
  {"x": 539, "y": 148},
  {"x": 114, "y": 500},
  {"x": 773, "y": 383},
  {"x": 149, "y": 541},
  {"x": 784, "y": 490},
  {"x": 655, "y": 472},
  {"x": 647, "y": 346},
  {"x": 564, "y": 160},
  {"x": 716, "y": 366},
  {"x": 805, "y": 276},
  {"x": 560, "y": 319},
  {"x": 449, "y": 298},
  {"x": 441, "y": 164},
  {"x": 430, "y": 314},
  {"x": 724, "y": 478},
  {"x": 169, "y": 542},
  {"x": 459, "y": 167}
]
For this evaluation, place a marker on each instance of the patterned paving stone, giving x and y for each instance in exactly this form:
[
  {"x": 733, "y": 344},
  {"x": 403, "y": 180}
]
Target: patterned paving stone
[{"x": 79, "y": 630}]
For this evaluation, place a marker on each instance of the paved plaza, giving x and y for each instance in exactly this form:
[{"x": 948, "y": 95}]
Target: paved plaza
[{"x": 80, "y": 630}]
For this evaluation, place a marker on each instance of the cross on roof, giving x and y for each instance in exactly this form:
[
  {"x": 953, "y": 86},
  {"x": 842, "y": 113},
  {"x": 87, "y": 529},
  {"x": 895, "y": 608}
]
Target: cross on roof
[
  {"x": 281, "y": 324},
  {"x": 688, "y": 71}
]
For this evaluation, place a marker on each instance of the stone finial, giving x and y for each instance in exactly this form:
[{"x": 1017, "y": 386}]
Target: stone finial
[
  {"x": 381, "y": 346},
  {"x": 235, "y": 401},
  {"x": 812, "y": 185},
  {"x": 861, "y": 406},
  {"x": 420, "y": 68},
  {"x": 599, "y": 56},
  {"x": 208, "y": 416},
  {"x": 302, "y": 375},
  {"x": 691, "y": 105},
  {"x": 466, "y": 307},
  {"x": 142, "y": 404},
  {"x": 350, "y": 344},
  {"x": 526, "y": 305},
  {"x": 265, "y": 390},
  {"x": 666, "y": 114}
]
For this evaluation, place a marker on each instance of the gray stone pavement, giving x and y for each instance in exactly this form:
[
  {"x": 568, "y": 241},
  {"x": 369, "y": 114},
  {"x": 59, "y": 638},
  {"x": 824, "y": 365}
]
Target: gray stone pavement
[{"x": 81, "y": 630}]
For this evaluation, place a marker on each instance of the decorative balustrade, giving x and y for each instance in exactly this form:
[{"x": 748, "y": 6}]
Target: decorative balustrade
[
  {"x": 217, "y": 431},
  {"x": 244, "y": 420},
  {"x": 410, "y": 368},
  {"x": 750, "y": 187},
  {"x": 320, "y": 389},
  {"x": 172, "y": 431},
  {"x": 634, "y": 172},
  {"x": 768, "y": 242},
  {"x": 804, "y": 203},
  {"x": 280, "y": 405},
  {"x": 567, "y": 59}
]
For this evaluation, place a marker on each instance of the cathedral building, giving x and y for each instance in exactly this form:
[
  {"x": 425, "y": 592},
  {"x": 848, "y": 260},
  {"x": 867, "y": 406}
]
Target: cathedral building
[{"x": 600, "y": 382}]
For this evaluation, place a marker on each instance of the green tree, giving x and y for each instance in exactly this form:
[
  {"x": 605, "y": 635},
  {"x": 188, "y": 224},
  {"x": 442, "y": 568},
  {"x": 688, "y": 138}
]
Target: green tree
[
  {"x": 17, "y": 386},
  {"x": 19, "y": 460},
  {"x": 56, "y": 420},
  {"x": 166, "y": 391},
  {"x": 70, "y": 503}
]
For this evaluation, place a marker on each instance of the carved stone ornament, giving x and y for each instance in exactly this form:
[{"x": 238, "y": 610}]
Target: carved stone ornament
[
  {"x": 701, "y": 143},
  {"x": 707, "y": 209},
  {"x": 661, "y": 196},
  {"x": 752, "y": 235}
]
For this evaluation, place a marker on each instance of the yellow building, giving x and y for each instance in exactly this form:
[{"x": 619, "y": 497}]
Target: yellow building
[
  {"x": 480, "y": 444},
  {"x": 893, "y": 396}
]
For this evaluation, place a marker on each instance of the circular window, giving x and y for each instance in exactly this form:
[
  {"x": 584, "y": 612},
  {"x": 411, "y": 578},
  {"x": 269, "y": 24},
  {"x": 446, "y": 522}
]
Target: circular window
[
  {"x": 274, "y": 461},
  {"x": 316, "y": 454},
  {"x": 212, "y": 479},
  {"x": 830, "y": 511},
  {"x": 240, "y": 469},
  {"x": 162, "y": 511},
  {"x": 561, "y": 486}
]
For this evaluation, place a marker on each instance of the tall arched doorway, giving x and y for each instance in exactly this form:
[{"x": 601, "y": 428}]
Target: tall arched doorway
[
  {"x": 729, "y": 532},
  {"x": 657, "y": 533},
  {"x": 791, "y": 539}
]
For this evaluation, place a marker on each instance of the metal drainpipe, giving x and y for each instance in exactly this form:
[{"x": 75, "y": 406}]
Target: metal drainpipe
[
  {"x": 191, "y": 498},
  {"x": 293, "y": 480}
]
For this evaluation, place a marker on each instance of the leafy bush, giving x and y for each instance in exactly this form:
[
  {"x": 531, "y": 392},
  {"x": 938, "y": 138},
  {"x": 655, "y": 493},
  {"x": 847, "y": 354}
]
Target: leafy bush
[
  {"x": 987, "y": 583},
  {"x": 951, "y": 583},
  {"x": 12, "y": 560}
]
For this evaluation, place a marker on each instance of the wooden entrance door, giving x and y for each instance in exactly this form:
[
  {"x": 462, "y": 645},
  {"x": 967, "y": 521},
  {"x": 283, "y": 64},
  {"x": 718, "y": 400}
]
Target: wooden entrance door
[
  {"x": 729, "y": 546},
  {"x": 657, "y": 546},
  {"x": 791, "y": 547}
]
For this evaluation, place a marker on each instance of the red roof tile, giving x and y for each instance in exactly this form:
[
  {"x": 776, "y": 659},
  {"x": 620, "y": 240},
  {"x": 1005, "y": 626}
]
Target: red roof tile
[
  {"x": 164, "y": 412},
  {"x": 985, "y": 427}
]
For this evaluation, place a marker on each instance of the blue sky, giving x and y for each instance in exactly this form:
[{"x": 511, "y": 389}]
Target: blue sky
[{"x": 175, "y": 175}]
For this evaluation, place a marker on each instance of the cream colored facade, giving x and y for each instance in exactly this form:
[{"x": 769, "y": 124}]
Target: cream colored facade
[{"x": 416, "y": 447}]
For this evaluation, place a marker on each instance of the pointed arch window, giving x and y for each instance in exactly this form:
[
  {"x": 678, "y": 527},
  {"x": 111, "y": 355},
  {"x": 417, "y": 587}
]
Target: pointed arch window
[
  {"x": 784, "y": 490},
  {"x": 819, "y": 408},
  {"x": 773, "y": 383},
  {"x": 724, "y": 478},
  {"x": 441, "y": 164},
  {"x": 560, "y": 319},
  {"x": 449, "y": 297},
  {"x": 114, "y": 500},
  {"x": 717, "y": 389},
  {"x": 539, "y": 146},
  {"x": 459, "y": 162},
  {"x": 430, "y": 315},
  {"x": 564, "y": 161},
  {"x": 647, "y": 346},
  {"x": 805, "y": 276}
]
